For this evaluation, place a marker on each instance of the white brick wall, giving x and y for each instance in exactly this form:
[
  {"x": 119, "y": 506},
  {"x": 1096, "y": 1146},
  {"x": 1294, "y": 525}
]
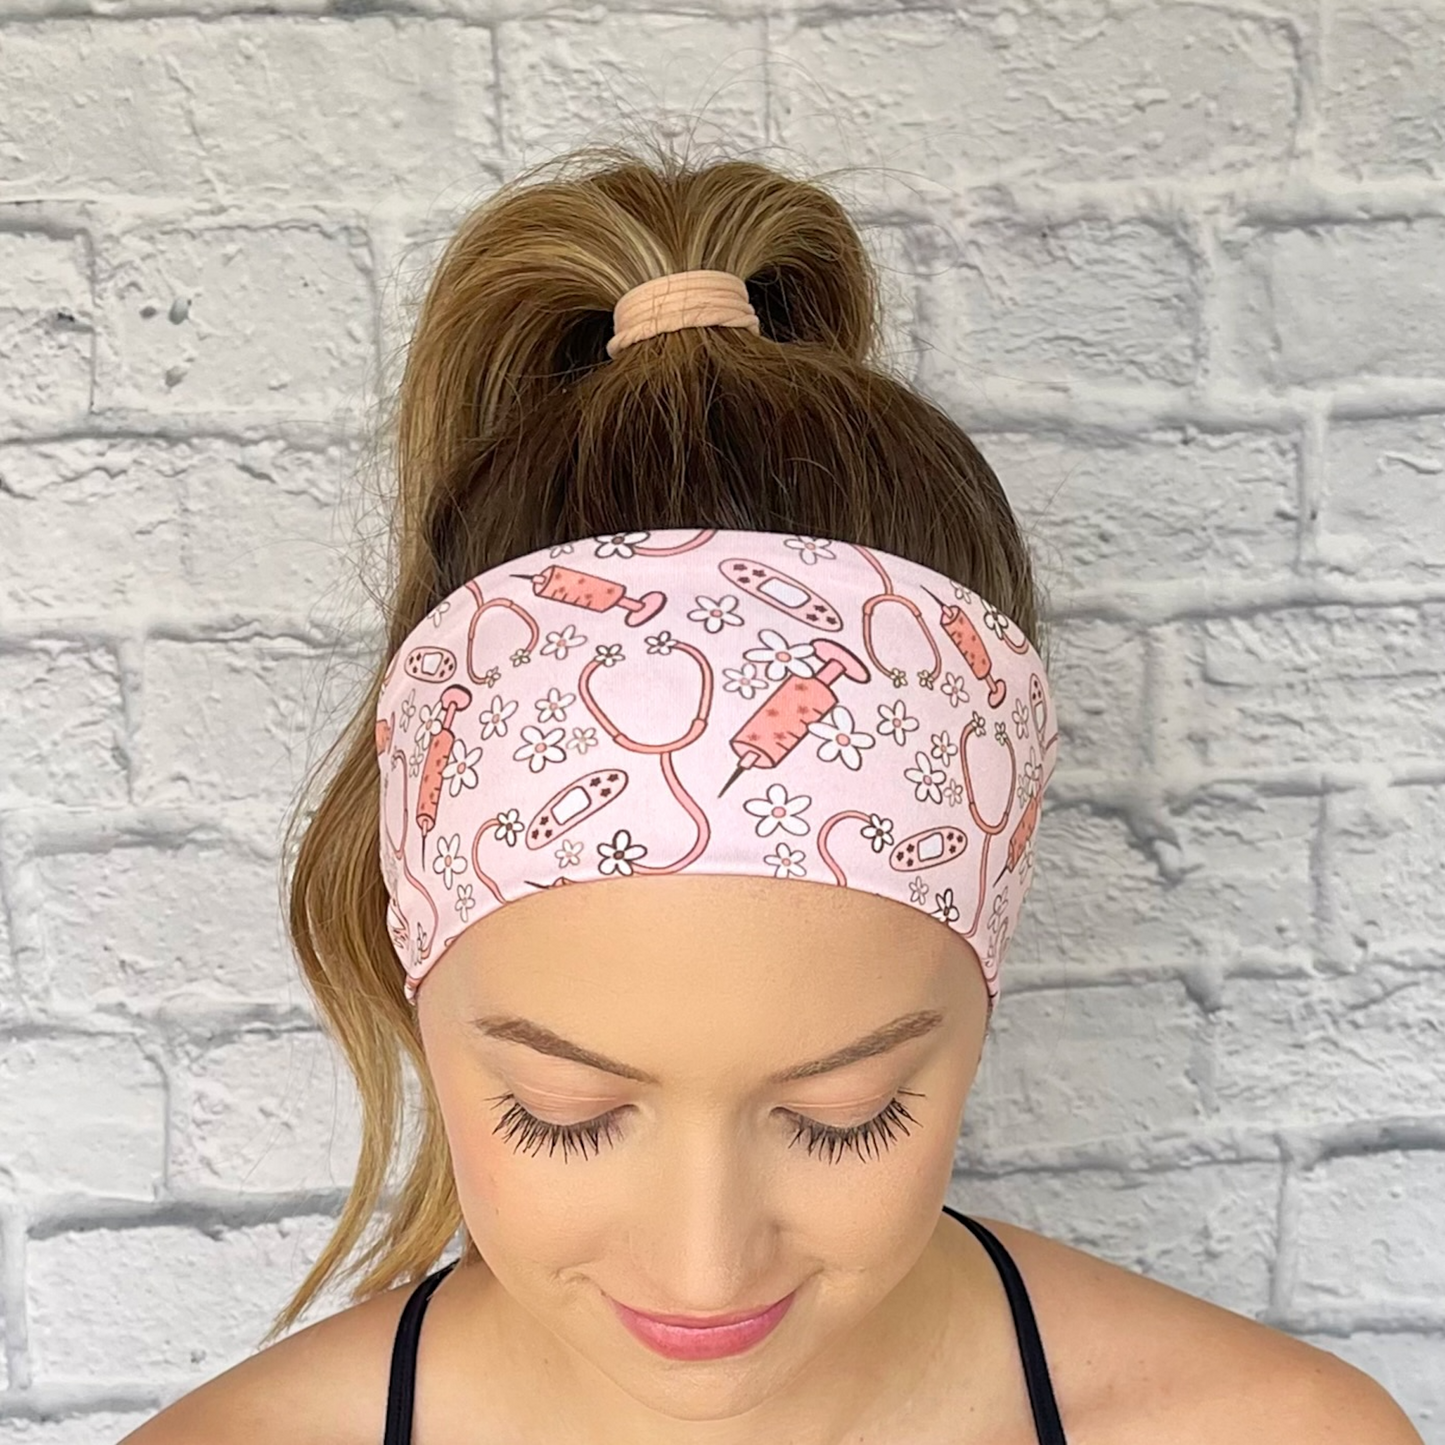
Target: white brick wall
[{"x": 1178, "y": 267}]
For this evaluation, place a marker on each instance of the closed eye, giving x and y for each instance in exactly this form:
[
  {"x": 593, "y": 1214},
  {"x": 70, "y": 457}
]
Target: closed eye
[{"x": 529, "y": 1133}]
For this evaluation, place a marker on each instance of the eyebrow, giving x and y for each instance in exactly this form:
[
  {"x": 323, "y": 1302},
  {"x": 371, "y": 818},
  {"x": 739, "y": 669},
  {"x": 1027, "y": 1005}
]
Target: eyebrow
[{"x": 881, "y": 1041}]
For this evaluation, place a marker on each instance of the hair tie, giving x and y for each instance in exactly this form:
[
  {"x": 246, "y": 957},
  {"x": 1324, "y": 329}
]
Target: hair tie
[{"x": 678, "y": 300}]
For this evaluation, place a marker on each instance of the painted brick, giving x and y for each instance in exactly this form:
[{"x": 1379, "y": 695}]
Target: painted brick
[
  {"x": 1083, "y": 1094},
  {"x": 232, "y": 720},
  {"x": 169, "y": 1305},
  {"x": 1381, "y": 894},
  {"x": 1329, "y": 1050},
  {"x": 1060, "y": 92},
  {"x": 82, "y": 1114},
  {"x": 12, "y": 1329},
  {"x": 211, "y": 527},
  {"x": 99, "y": 1428},
  {"x": 266, "y": 523},
  {"x": 234, "y": 1129},
  {"x": 1097, "y": 683},
  {"x": 561, "y": 72},
  {"x": 1382, "y": 512},
  {"x": 1361, "y": 1234},
  {"x": 9, "y": 977},
  {"x": 63, "y": 504},
  {"x": 1087, "y": 300},
  {"x": 1154, "y": 508},
  {"x": 46, "y": 300},
  {"x": 1223, "y": 879},
  {"x": 248, "y": 106},
  {"x": 178, "y": 307},
  {"x": 1319, "y": 686},
  {"x": 1334, "y": 300},
  {"x": 1382, "y": 95},
  {"x": 157, "y": 923},
  {"x": 62, "y": 734}
]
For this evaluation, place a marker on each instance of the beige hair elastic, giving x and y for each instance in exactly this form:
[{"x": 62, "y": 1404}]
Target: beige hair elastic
[{"x": 681, "y": 299}]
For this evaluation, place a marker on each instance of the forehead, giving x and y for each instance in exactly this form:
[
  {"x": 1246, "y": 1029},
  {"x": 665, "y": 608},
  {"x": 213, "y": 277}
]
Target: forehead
[{"x": 706, "y": 938}]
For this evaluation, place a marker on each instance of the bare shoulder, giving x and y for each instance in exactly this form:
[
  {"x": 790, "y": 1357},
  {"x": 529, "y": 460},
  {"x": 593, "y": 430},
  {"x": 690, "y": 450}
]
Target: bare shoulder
[
  {"x": 323, "y": 1385},
  {"x": 1136, "y": 1362}
]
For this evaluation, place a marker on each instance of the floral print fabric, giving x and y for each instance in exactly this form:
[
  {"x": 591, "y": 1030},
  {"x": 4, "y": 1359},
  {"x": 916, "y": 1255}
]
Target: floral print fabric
[{"x": 713, "y": 701}]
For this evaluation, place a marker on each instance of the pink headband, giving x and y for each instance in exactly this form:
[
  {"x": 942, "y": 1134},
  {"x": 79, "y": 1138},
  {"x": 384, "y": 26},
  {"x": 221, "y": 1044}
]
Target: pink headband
[{"x": 796, "y": 708}]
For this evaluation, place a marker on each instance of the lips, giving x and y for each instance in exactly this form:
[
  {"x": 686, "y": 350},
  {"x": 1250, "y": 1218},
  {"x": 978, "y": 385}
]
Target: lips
[{"x": 681, "y": 1337}]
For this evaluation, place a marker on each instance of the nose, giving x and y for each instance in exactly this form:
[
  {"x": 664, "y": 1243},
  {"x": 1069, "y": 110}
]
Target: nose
[{"x": 706, "y": 1241}]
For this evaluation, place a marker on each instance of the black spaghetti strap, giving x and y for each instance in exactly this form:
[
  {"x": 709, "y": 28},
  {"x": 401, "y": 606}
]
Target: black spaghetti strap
[
  {"x": 1047, "y": 1424},
  {"x": 401, "y": 1394}
]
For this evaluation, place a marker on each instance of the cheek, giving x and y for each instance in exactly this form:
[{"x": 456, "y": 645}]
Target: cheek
[
  {"x": 513, "y": 1206},
  {"x": 469, "y": 1111},
  {"x": 534, "y": 1235}
]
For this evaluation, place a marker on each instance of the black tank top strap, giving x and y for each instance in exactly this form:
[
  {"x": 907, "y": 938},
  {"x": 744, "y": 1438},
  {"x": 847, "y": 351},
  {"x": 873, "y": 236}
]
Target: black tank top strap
[
  {"x": 401, "y": 1394},
  {"x": 401, "y": 1397},
  {"x": 1047, "y": 1424}
]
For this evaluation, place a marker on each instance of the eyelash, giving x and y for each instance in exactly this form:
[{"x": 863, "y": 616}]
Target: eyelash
[{"x": 518, "y": 1121}]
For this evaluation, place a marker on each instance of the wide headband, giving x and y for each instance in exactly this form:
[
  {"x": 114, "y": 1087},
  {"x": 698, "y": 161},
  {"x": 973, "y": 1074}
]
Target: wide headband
[{"x": 724, "y": 702}]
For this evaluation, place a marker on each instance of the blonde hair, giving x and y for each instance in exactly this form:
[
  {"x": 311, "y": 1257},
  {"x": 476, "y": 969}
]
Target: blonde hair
[{"x": 513, "y": 431}]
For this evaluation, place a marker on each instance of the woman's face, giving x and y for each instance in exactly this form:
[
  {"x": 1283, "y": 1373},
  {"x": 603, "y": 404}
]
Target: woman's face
[{"x": 694, "y": 1190}]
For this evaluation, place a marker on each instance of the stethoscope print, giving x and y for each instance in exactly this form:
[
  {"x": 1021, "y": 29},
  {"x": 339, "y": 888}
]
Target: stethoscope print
[{"x": 802, "y": 684}]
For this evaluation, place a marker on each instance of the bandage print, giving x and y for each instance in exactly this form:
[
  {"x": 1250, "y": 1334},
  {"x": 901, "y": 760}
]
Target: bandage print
[{"x": 804, "y": 661}]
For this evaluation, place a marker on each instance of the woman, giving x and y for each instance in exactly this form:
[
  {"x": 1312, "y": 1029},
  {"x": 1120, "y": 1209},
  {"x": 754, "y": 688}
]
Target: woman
[{"x": 697, "y": 606}]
